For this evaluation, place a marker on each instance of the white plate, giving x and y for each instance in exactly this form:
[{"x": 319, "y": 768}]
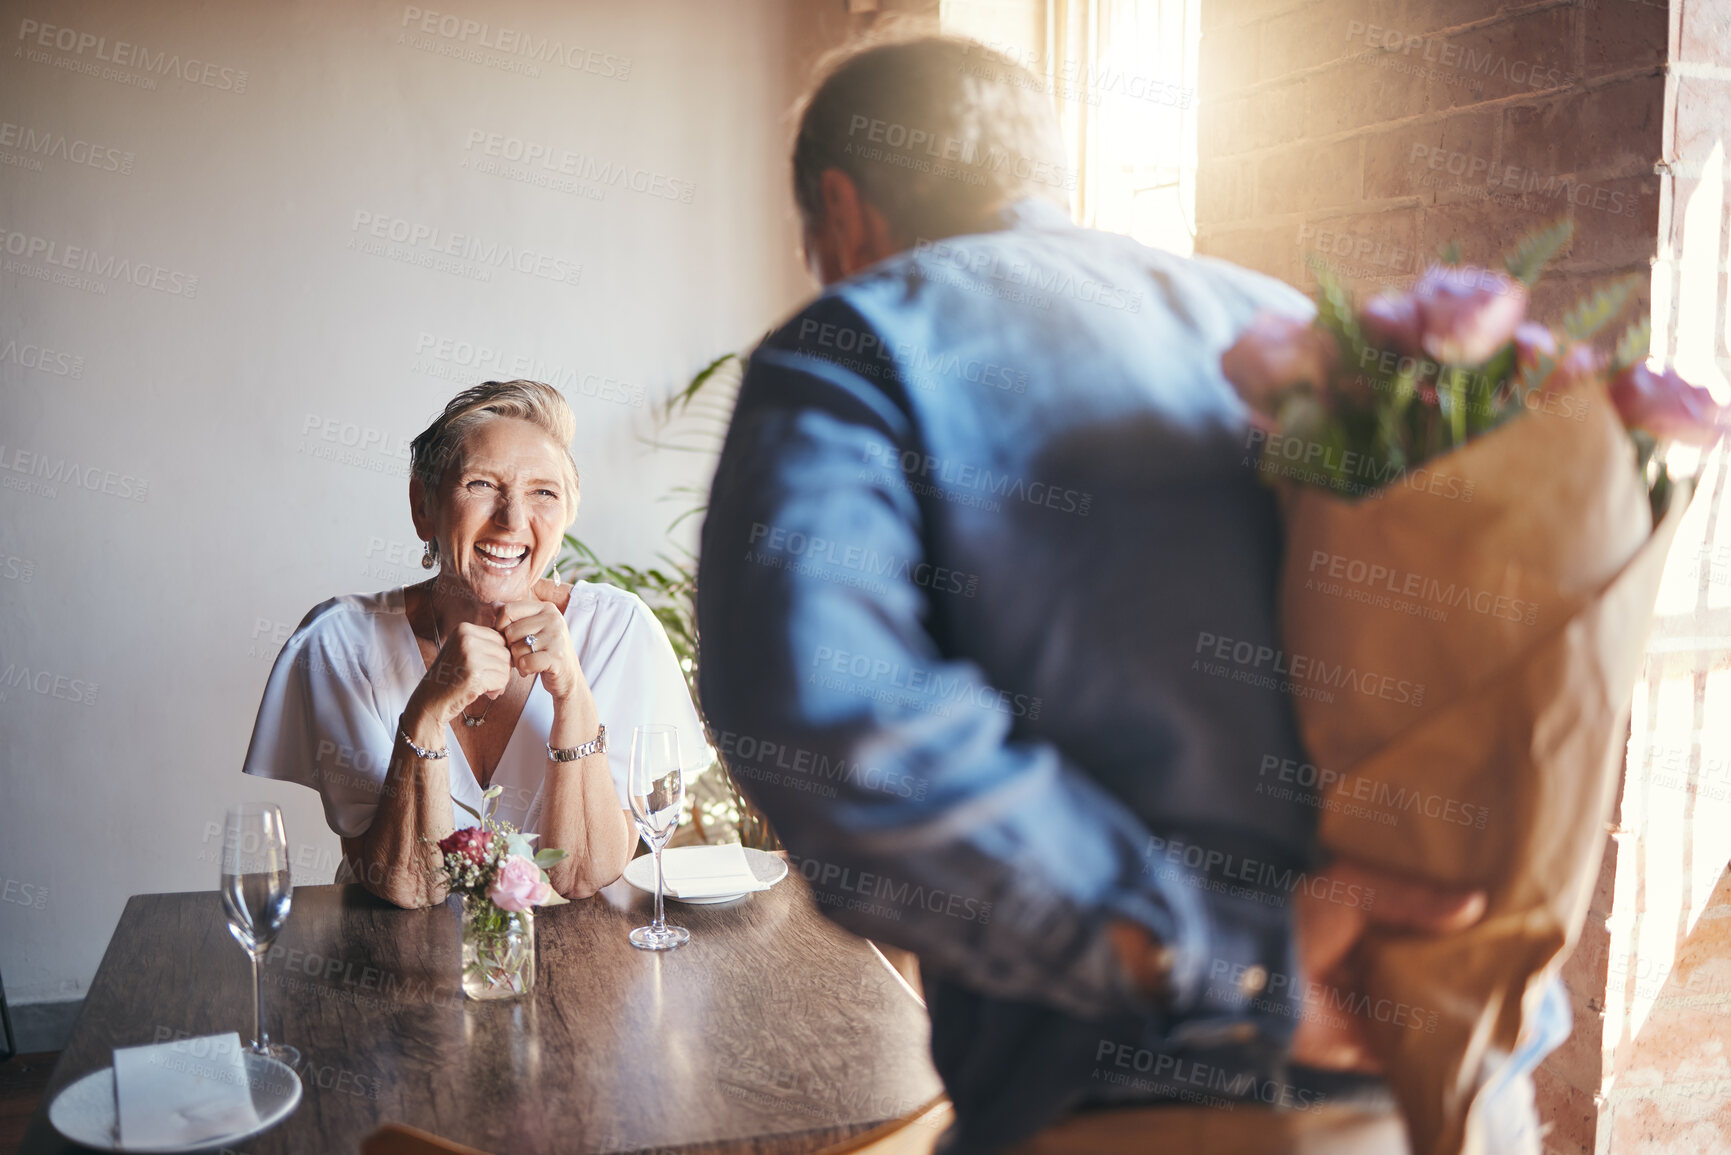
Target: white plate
[
  {"x": 770, "y": 868},
  {"x": 84, "y": 1111}
]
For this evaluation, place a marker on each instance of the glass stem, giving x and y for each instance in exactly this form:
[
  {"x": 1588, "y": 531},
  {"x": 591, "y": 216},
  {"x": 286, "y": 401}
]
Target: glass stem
[
  {"x": 260, "y": 1044},
  {"x": 660, "y": 921}
]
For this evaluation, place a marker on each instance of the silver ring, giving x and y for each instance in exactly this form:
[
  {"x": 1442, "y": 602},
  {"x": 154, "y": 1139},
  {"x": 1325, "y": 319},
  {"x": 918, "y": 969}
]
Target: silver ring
[{"x": 529, "y": 640}]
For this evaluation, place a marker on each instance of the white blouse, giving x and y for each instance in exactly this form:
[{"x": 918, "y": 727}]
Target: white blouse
[{"x": 335, "y": 696}]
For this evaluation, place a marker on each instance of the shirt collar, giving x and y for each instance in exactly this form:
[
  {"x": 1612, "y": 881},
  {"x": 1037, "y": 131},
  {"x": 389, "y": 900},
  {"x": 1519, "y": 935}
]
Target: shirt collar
[{"x": 1031, "y": 212}]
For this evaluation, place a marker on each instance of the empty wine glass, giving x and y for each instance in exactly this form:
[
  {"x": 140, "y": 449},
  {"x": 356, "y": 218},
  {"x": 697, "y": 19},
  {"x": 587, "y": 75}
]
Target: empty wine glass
[
  {"x": 657, "y": 791},
  {"x": 256, "y": 894}
]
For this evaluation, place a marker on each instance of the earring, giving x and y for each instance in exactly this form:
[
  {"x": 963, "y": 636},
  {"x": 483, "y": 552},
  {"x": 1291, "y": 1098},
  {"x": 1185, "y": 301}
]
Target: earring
[{"x": 427, "y": 556}]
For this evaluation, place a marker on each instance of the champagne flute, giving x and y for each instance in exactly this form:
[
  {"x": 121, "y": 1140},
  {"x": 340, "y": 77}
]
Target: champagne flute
[
  {"x": 657, "y": 791},
  {"x": 256, "y": 894}
]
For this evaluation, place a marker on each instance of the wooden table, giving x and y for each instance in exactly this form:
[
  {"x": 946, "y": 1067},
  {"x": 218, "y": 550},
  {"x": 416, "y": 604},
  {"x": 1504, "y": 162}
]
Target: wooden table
[{"x": 772, "y": 1031}]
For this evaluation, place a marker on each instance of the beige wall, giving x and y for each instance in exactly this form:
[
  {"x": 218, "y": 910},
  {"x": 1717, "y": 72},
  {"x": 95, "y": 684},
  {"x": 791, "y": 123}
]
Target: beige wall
[{"x": 261, "y": 243}]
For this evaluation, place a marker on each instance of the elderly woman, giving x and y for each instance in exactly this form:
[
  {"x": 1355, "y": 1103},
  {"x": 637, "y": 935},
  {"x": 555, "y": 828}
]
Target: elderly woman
[{"x": 547, "y": 679}]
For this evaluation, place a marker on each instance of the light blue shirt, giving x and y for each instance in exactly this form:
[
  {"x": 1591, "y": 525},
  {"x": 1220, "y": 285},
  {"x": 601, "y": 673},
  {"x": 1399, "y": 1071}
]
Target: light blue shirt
[{"x": 984, "y": 543}]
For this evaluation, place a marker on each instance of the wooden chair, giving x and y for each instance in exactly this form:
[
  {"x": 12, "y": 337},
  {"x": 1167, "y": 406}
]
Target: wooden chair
[
  {"x": 906, "y": 964},
  {"x": 915, "y": 1133},
  {"x": 401, "y": 1139}
]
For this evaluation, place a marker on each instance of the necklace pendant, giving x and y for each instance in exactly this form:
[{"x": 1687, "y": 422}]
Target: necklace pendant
[{"x": 468, "y": 721}]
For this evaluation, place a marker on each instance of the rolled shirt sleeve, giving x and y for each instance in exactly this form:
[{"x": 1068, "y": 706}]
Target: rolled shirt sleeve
[
  {"x": 895, "y": 773},
  {"x": 319, "y": 724}
]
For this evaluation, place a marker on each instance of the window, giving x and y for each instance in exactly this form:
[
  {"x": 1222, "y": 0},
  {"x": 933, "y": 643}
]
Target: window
[{"x": 1122, "y": 75}]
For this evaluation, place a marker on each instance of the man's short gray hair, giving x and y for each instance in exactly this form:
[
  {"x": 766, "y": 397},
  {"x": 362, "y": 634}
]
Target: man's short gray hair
[{"x": 936, "y": 132}]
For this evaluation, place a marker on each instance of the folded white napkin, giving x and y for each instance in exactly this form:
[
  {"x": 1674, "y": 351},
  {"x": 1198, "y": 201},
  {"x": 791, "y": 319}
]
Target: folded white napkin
[
  {"x": 182, "y": 1092},
  {"x": 708, "y": 871}
]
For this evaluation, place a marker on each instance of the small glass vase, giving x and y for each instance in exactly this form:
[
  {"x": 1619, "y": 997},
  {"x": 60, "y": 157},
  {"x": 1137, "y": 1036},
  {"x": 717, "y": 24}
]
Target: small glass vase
[{"x": 498, "y": 950}]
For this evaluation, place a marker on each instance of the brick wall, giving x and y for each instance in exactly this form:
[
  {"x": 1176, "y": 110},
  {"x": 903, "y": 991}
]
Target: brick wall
[{"x": 1373, "y": 131}]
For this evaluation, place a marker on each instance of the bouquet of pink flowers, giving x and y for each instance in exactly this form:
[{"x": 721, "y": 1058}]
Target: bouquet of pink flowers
[
  {"x": 1372, "y": 393},
  {"x": 1477, "y": 510},
  {"x": 501, "y": 878}
]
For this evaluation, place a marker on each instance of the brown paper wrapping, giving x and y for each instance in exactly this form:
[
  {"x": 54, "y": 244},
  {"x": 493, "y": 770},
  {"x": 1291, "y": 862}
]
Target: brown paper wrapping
[{"x": 1465, "y": 644}]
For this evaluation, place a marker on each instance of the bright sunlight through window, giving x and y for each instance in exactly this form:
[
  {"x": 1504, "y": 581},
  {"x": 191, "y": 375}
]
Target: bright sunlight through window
[{"x": 1122, "y": 75}]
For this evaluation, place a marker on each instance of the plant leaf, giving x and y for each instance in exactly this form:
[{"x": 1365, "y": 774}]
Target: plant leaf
[
  {"x": 466, "y": 810},
  {"x": 550, "y": 857},
  {"x": 1633, "y": 345},
  {"x": 1335, "y": 311},
  {"x": 1485, "y": 386},
  {"x": 1595, "y": 312},
  {"x": 1451, "y": 389},
  {"x": 1537, "y": 249},
  {"x": 1449, "y": 253},
  {"x": 684, "y": 396}
]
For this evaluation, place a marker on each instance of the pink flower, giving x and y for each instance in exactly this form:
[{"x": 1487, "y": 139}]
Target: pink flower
[
  {"x": 518, "y": 885},
  {"x": 1580, "y": 365},
  {"x": 1466, "y": 314},
  {"x": 471, "y": 842},
  {"x": 1533, "y": 341},
  {"x": 1276, "y": 353},
  {"x": 1390, "y": 320},
  {"x": 1668, "y": 407}
]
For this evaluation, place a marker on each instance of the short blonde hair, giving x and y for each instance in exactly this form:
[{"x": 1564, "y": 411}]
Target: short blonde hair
[{"x": 440, "y": 444}]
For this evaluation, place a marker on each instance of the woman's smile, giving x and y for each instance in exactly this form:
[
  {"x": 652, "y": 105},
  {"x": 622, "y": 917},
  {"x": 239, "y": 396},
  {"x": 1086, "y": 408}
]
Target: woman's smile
[{"x": 502, "y": 557}]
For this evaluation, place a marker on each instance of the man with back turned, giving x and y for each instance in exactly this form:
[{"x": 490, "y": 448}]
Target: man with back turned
[{"x": 982, "y": 550}]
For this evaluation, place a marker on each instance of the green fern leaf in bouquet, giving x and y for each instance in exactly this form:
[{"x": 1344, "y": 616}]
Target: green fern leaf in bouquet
[
  {"x": 1536, "y": 250},
  {"x": 1602, "y": 307}
]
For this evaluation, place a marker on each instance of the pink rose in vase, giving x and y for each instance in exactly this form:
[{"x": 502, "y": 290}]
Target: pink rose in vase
[{"x": 518, "y": 885}]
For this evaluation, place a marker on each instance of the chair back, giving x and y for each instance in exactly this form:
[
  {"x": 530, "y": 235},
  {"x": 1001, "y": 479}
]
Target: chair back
[
  {"x": 401, "y": 1139},
  {"x": 915, "y": 1133}
]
